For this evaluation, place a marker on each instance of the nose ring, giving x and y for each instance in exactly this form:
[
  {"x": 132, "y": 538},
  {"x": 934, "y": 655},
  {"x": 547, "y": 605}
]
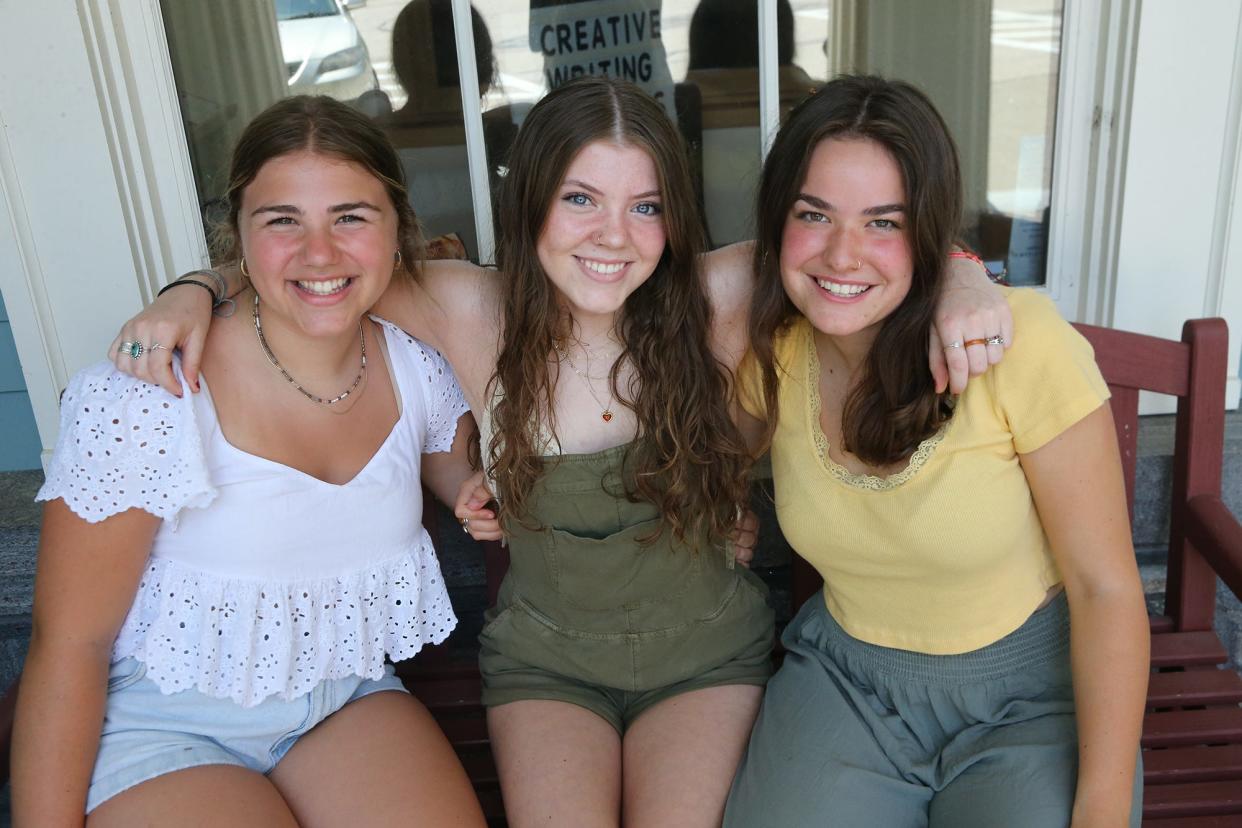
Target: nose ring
[
  {"x": 858, "y": 265},
  {"x": 599, "y": 238}
]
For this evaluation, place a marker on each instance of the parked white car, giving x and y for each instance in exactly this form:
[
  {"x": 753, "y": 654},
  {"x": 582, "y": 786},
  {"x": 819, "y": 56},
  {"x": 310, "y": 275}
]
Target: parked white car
[{"x": 323, "y": 52}]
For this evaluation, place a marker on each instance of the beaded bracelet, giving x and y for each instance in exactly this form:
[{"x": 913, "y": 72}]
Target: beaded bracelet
[{"x": 994, "y": 278}]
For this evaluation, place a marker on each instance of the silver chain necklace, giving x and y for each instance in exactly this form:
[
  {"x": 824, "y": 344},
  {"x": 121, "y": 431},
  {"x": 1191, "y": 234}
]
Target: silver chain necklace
[{"x": 271, "y": 357}]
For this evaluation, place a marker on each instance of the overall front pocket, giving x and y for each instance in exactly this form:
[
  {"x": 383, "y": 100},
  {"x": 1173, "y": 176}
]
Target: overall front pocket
[{"x": 618, "y": 572}]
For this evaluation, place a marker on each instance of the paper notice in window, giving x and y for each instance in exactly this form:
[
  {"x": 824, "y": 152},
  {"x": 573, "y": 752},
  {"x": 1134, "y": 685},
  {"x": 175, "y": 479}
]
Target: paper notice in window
[{"x": 619, "y": 38}]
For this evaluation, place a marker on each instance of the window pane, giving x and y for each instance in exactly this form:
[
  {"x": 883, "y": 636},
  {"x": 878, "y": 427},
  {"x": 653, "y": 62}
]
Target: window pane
[
  {"x": 698, "y": 59},
  {"x": 231, "y": 61},
  {"x": 992, "y": 70}
]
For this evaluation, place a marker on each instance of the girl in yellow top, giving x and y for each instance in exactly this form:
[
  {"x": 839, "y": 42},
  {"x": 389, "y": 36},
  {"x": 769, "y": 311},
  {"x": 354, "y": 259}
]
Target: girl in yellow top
[{"x": 978, "y": 655}]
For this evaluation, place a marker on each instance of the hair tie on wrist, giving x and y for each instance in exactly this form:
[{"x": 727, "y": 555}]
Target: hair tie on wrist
[
  {"x": 222, "y": 287},
  {"x": 215, "y": 300}
]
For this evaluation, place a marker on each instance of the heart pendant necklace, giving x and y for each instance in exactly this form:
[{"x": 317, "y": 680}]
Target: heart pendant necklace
[{"x": 606, "y": 410}]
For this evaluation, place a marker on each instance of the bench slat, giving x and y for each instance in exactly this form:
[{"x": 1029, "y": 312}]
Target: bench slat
[
  {"x": 449, "y": 694},
  {"x": 1161, "y": 624},
  {"x": 479, "y": 767},
  {"x": 1193, "y": 822},
  {"x": 1192, "y": 764},
  {"x": 464, "y": 731},
  {"x": 1193, "y": 799},
  {"x": 1177, "y": 728},
  {"x": 1194, "y": 687},
  {"x": 1180, "y": 649}
]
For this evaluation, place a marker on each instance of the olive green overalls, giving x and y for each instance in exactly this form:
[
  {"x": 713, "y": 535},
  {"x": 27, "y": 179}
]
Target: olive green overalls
[{"x": 589, "y": 615}]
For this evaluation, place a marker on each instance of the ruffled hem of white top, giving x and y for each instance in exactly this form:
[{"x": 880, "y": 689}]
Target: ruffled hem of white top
[
  {"x": 248, "y": 640},
  {"x": 124, "y": 444}
]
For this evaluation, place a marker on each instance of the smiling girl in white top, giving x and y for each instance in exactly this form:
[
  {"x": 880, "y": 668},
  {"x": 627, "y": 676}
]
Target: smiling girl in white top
[{"x": 221, "y": 576}]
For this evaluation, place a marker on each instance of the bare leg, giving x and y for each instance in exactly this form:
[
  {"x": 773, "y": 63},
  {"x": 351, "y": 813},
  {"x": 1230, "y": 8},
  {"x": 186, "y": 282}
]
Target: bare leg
[
  {"x": 680, "y": 756},
  {"x": 380, "y": 760},
  {"x": 208, "y": 795},
  {"x": 559, "y": 764}
]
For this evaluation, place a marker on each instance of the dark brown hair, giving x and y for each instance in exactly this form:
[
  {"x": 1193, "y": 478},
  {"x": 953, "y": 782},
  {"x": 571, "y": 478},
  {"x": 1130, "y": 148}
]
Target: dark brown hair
[
  {"x": 323, "y": 126},
  {"x": 893, "y": 404},
  {"x": 689, "y": 459}
]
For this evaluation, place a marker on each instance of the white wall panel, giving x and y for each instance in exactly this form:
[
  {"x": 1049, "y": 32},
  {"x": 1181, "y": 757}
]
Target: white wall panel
[
  {"x": 1179, "y": 177},
  {"x": 97, "y": 203}
]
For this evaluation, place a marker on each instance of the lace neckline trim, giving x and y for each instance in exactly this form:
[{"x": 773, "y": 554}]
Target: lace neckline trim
[{"x": 859, "y": 481}]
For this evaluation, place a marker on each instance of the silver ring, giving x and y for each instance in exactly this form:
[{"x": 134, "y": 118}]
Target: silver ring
[
  {"x": 465, "y": 525},
  {"x": 133, "y": 349},
  {"x": 991, "y": 340},
  {"x": 957, "y": 343},
  {"x": 155, "y": 346}
]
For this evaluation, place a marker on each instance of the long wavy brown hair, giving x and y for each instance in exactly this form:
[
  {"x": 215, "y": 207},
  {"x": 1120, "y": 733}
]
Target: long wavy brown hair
[
  {"x": 689, "y": 458},
  {"x": 893, "y": 405}
]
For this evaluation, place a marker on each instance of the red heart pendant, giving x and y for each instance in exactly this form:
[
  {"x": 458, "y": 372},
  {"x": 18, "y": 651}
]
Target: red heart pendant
[{"x": 607, "y": 415}]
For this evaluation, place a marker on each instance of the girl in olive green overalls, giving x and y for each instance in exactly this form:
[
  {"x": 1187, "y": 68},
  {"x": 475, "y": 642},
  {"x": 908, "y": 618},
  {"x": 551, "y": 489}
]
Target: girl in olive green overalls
[{"x": 624, "y": 660}]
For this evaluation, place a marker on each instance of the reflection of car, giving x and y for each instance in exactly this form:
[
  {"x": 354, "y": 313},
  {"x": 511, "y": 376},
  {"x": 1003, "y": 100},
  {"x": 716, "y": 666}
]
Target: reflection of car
[{"x": 324, "y": 53}]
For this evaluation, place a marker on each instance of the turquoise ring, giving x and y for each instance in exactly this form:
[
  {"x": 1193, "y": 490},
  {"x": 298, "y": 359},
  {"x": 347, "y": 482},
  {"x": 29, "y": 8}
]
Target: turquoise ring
[{"x": 134, "y": 349}]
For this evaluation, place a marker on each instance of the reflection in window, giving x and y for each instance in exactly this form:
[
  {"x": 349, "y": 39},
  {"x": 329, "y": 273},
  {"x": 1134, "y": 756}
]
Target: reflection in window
[
  {"x": 323, "y": 51},
  {"x": 992, "y": 70},
  {"x": 427, "y": 126}
]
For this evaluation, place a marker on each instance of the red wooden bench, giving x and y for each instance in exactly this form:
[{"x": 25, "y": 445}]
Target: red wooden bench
[{"x": 1192, "y": 733}]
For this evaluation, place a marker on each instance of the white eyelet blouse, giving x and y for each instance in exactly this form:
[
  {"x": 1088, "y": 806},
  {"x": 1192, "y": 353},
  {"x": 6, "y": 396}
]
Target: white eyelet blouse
[{"x": 262, "y": 580}]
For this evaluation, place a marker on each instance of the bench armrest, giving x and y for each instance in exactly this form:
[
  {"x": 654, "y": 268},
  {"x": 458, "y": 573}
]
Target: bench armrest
[{"x": 1217, "y": 536}]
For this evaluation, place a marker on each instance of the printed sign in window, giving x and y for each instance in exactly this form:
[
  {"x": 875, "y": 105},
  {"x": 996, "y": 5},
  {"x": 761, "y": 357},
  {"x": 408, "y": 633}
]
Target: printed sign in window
[{"x": 620, "y": 38}]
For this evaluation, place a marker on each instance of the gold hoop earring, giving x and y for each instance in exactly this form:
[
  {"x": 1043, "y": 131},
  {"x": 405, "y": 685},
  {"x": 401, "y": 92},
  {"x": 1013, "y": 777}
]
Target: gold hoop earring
[
  {"x": 397, "y": 261},
  {"x": 242, "y": 267}
]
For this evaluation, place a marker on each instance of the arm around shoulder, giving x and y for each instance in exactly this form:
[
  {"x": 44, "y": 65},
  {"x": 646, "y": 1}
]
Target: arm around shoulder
[{"x": 446, "y": 298}]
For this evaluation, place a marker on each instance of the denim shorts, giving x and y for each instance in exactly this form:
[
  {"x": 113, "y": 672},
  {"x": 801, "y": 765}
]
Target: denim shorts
[{"x": 147, "y": 733}]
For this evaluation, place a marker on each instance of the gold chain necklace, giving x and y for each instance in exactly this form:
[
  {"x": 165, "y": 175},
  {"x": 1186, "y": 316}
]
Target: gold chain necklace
[
  {"x": 606, "y": 413},
  {"x": 271, "y": 357}
]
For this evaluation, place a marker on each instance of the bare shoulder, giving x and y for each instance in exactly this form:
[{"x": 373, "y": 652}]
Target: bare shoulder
[
  {"x": 454, "y": 307},
  {"x": 729, "y": 276},
  {"x": 446, "y": 297},
  {"x": 729, "y": 279}
]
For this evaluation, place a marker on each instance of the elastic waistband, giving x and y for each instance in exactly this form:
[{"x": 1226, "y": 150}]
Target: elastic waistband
[{"x": 1042, "y": 637}]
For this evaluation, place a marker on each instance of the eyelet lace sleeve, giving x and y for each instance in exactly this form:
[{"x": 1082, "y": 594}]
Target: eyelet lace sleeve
[
  {"x": 442, "y": 395},
  {"x": 125, "y": 444}
]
